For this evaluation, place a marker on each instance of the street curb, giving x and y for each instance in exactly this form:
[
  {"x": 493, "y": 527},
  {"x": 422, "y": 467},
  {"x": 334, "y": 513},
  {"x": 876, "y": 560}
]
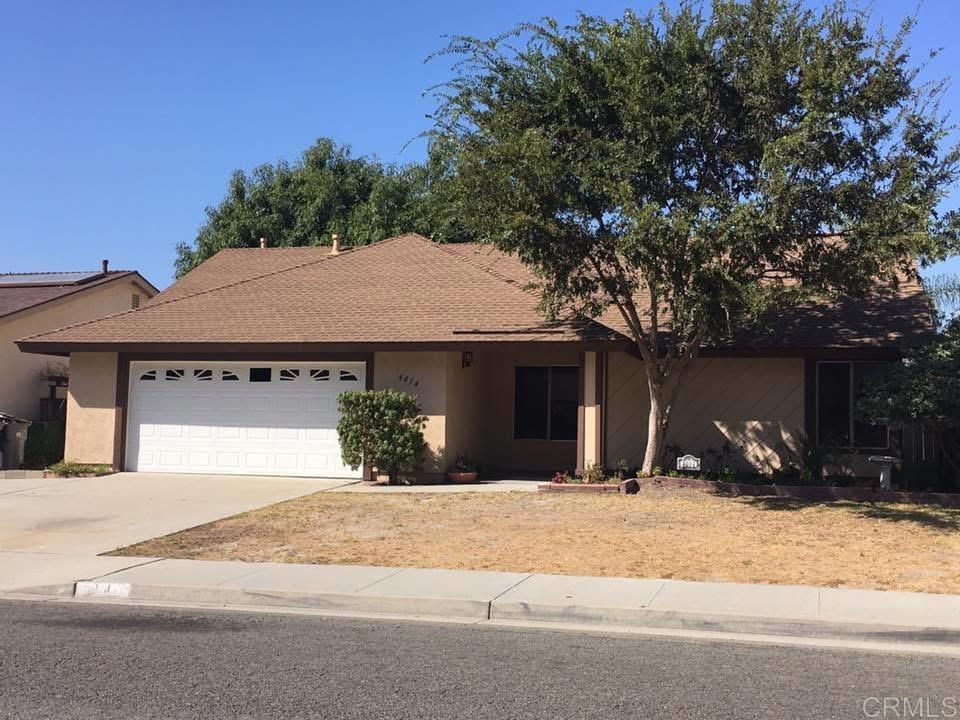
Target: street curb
[
  {"x": 325, "y": 602},
  {"x": 507, "y": 612},
  {"x": 720, "y": 623}
]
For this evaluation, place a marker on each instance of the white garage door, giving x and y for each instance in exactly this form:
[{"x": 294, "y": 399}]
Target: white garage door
[{"x": 242, "y": 418}]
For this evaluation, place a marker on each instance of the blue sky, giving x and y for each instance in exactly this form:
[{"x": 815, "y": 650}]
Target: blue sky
[{"x": 121, "y": 121}]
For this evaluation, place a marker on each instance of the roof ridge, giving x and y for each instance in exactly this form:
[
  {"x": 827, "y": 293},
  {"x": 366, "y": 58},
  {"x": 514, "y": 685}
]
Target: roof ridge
[
  {"x": 93, "y": 273},
  {"x": 163, "y": 303}
]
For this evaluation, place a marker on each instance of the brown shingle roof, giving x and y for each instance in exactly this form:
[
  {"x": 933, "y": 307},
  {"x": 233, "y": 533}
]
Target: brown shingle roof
[
  {"x": 402, "y": 290},
  {"x": 410, "y": 290},
  {"x": 15, "y": 297},
  {"x": 888, "y": 317}
]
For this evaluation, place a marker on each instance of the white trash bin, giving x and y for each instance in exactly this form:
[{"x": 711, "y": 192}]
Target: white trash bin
[{"x": 886, "y": 468}]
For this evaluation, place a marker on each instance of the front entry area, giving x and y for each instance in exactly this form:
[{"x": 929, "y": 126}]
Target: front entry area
[{"x": 244, "y": 418}]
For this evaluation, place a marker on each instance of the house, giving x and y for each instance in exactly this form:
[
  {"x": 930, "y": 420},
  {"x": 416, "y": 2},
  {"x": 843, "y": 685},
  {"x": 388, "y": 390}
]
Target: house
[
  {"x": 236, "y": 368},
  {"x": 32, "y": 386}
]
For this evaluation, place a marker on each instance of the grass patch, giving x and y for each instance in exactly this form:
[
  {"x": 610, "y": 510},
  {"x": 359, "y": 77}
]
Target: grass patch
[
  {"x": 74, "y": 469},
  {"x": 656, "y": 533}
]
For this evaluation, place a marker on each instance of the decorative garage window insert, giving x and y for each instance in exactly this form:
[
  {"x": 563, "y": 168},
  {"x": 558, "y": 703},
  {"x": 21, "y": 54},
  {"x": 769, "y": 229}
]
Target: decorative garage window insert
[
  {"x": 203, "y": 374},
  {"x": 149, "y": 375},
  {"x": 229, "y": 376},
  {"x": 261, "y": 375},
  {"x": 288, "y": 374},
  {"x": 319, "y": 375},
  {"x": 545, "y": 403},
  {"x": 172, "y": 374},
  {"x": 347, "y": 376}
]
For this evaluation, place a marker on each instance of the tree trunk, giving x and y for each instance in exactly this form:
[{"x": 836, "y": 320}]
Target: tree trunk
[
  {"x": 664, "y": 388},
  {"x": 657, "y": 424}
]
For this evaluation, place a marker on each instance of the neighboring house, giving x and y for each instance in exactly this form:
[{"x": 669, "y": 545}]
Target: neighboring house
[
  {"x": 236, "y": 368},
  {"x": 31, "y": 303}
]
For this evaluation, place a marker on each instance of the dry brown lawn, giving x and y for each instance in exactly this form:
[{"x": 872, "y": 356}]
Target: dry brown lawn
[{"x": 657, "y": 533}]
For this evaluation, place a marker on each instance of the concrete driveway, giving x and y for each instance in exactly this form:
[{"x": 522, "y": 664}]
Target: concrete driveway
[{"x": 87, "y": 516}]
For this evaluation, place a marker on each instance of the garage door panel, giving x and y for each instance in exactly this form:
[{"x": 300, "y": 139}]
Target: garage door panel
[{"x": 199, "y": 422}]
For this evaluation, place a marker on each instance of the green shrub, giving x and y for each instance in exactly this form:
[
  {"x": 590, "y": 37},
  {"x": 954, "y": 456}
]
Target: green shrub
[
  {"x": 593, "y": 474},
  {"x": 44, "y": 444},
  {"x": 383, "y": 428},
  {"x": 804, "y": 462},
  {"x": 74, "y": 469}
]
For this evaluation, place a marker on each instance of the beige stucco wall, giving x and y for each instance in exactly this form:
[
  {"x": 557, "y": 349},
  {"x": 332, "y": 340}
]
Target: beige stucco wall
[
  {"x": 470, "y": 410},
  {"x": 755, "y": 404},
  {"x": 498, "y": 449},
  {"x": 424, "y": 375},
  {"x": 91, "y": 408},
  {"x": 21, "y": 386},
  {"x": 464, "y": 435}
]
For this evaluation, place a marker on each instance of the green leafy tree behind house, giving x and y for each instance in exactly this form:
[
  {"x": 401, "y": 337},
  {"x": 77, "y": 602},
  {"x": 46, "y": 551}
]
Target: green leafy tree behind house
[
  {"x": 674, "y": 168},
  {"x": 326, "y": 191}
]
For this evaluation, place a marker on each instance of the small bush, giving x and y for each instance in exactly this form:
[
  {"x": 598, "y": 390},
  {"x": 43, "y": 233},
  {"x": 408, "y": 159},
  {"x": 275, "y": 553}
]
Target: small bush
[
  {"x": 74, "y": 469},
  {"x": 561, "y": 478},
  {"x": 593, "y": 474},
  {"x": 463, "y": 464},
  {"x": 383, "y": 427},
  {"x": 44, "y": 445}
]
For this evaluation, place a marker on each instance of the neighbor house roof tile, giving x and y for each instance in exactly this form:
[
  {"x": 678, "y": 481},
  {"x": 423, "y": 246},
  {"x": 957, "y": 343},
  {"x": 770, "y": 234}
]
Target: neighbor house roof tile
[{"x": 17, "y": 297}]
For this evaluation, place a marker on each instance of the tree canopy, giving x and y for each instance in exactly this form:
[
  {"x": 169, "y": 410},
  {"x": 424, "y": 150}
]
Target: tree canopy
[
  {"x": 679, "y": 167},
  {"x": 326, "y": 191},
  {"x": 923, "y": 390}
]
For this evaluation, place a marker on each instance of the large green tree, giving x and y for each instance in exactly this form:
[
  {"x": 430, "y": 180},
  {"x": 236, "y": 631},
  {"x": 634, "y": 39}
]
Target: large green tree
[
  {"x": 923, "y": 390},
  {"x": 327, "y": 191},
  {"x": 676, "y": 167}
]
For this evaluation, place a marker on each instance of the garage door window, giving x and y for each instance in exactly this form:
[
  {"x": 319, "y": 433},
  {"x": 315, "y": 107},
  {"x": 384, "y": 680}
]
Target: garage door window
[
  {"x": 347, "y": 376},
  {"x": 203, "y": 374},
  {"x": 148, "y": 376},
  {"x": 173, "y": 375},
  {"x": 289, "y": 374},
  {"x": 229, "y": 376},
  {"x": 319, "y": 375}
]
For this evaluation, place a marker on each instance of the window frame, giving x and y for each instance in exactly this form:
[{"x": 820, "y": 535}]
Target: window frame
[
  {"x": 852, "y": 390},
  {"x": 549, "y": 434}
]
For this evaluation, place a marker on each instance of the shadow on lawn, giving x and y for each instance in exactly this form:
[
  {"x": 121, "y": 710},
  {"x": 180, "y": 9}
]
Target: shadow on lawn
[{"x": 931, "y": 516}]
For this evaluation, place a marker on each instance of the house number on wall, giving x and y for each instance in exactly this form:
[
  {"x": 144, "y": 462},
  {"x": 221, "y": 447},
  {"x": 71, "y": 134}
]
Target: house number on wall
[{"x": 407, "y": 380}]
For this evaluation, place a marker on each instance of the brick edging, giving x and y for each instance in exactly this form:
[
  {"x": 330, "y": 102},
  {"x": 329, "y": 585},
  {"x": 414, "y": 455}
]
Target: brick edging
[
  {"x": 797, "y": 492},
  {"x": 583, "y": 487}
]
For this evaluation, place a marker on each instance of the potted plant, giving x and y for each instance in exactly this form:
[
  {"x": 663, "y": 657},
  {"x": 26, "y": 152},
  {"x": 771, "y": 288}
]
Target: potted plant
[{"x": 463, "y": 470}]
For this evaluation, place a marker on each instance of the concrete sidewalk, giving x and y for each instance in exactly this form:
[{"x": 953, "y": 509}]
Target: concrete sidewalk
[{"x": 914, "y": 621}]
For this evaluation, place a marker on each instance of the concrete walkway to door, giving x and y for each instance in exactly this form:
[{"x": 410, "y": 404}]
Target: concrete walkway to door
[{"x": 87, "y": 516}]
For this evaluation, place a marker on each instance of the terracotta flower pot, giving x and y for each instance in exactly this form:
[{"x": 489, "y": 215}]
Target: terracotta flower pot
[{"x": 462, "y": 477}]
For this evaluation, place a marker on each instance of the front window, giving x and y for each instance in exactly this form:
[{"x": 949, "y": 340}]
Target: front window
[
  {"x": 545, "y": 403},
  {"x": 840, "y": 384}
]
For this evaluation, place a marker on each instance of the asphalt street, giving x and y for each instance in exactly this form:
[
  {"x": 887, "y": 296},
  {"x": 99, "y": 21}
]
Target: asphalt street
[{"x": 94, "y": 661}]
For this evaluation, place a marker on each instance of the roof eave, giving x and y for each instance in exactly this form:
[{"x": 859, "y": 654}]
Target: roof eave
[{"x": 44, "y": 347}]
